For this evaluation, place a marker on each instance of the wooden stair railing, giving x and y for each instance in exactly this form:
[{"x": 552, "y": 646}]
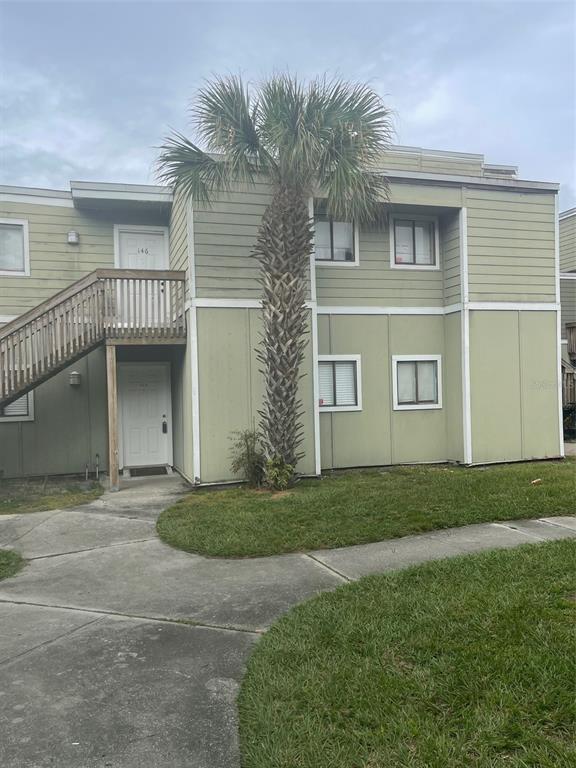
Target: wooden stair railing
[{"x": 108, "y": 305}]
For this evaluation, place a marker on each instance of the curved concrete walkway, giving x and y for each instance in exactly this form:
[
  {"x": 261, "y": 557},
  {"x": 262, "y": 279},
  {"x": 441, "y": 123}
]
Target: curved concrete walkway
[{"x": 117, "y": 651}]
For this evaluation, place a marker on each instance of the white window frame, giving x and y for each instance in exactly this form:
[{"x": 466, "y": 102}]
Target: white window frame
[
  {"x": 26, "y": 234},
  {"x": 144, "y": 228},
  {"x": 16, "y": 419},
  {"x": 344, "y": 359},
  {"x": 414, "y": 216},
  {"x": 331, "y": 262},
  {"x": 416, "y": 359}
]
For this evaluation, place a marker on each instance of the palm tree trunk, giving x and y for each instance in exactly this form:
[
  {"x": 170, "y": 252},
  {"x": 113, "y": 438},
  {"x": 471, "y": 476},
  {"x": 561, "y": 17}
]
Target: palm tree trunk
[{"x": 283, "y": 248}]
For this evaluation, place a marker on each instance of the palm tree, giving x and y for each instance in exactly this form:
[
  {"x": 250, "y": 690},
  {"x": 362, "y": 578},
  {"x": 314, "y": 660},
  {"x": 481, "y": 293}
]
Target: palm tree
[{"x": 325, "y": 137}]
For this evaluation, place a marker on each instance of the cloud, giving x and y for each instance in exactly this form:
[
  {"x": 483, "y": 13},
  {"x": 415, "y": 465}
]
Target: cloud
[{"x": 51, "y": 133}]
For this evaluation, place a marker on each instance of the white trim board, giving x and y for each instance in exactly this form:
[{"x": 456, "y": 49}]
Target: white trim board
[
  {"x": 477, "y": 181},
  {"x": 147, "y": 193},
  {"x": 28, "y": 198},
  {"x": 465, "y": 338},
  {"x": 505, "y": 306},
  {"x": 567, "y": 275},
  {"x": 325, "y": 309},
  {"x": 193, "y": 341},
  {"x": 314, "y": 347},
  {"x": 558, "y": 327}
]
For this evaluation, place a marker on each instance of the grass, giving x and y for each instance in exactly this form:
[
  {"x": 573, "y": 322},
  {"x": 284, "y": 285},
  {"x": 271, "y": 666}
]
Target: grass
[
  {"x": 10, "y": 563},
  {"x": 36, "y": 495},
  {"x": 459, "y": 663},
  {"x": 358, "y": 507}
]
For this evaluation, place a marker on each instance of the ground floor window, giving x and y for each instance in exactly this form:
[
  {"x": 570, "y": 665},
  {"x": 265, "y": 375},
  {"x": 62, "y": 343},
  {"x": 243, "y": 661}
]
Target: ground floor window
[
  {"x": 339, "y": 383},
  {"x": 417, "y": 381},
  {"x": 21, "y": 409}
]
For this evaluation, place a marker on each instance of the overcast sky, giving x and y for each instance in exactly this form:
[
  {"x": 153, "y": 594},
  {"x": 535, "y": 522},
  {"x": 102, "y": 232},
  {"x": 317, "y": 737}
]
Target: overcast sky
[{"x": 88, "y": 89}]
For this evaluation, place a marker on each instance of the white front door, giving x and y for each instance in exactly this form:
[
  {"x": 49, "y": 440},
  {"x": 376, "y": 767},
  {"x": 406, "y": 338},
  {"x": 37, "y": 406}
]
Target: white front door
[
  {"x": 141, "y": 247},
  {"x": 145, "y": 414}
]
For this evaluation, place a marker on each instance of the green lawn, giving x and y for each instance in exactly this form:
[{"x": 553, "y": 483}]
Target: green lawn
[
  {"x": 358, "y": 507},
  {"x": 10, "y": 563},
  {"x": 36, "y": 495},
  {"x": 465, "y": 663}
]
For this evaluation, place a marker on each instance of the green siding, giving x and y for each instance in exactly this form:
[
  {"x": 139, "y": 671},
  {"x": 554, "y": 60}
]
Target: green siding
[
  {"x": 231, "y": 388},
  {"x": 69, "y": 427},
  {"x": 416, "y": 159},
  {"x": 182, "y": 411},
  {"x": 378, "y": 435},
  {"x": 53, "y": 263},
  {"x": 452, "y": 374},
  {"x": 567, "y": 228},
  {"x": 511, "y": 246},
  {"x": 450, "y": 257},
  {"x": 224, "y": 237},
  {"x": 179, "y": 235},
  {"x": 567, "y": 302},
  {"x": 513, "y": 384},
  {"x": 373, "y": 281}
]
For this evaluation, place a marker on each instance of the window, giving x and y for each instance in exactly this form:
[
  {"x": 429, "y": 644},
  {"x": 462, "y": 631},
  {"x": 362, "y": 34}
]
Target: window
[
  {"x": 334, "y": 241},
  {"x": 414, "y": 243},
  {"x": 417, "y": 382},
  {"x": 19, "y": 410},
  {"x": 14, "y": 247},
  {"x": 339, "y": 383}
]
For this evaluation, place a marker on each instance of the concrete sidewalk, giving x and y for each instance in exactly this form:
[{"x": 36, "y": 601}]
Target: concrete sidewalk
[{"x": 118, "y": 651}]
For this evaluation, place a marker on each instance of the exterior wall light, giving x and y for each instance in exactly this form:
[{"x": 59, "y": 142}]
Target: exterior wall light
[
  {"x": 74, "y": 378},
  {"x": 73, "y": 237}
]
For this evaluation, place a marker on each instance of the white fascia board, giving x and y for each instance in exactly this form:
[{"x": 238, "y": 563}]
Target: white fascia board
[
  {"x": 405, "y": 149},
  {"x": 32, "y": 196},
  {"x": 350, "y": 310},
  {"x": 85, "y": 190},
  {"x": 567, "y": 214},
  {"x": 513, "y": 306},
  {"x": 481, "y": 181},
  {"x": 567, "y": 275}
]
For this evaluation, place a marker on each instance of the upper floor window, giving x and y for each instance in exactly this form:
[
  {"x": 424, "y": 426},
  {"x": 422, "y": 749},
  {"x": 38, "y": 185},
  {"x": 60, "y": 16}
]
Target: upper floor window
[
  {"x": 339, "y": 383},
  {"x": 14, "y": 258},
  {"x": 335, "y": 241},
  {"x": 414, "y": 243},
  {"x": 417, "y": 382}
]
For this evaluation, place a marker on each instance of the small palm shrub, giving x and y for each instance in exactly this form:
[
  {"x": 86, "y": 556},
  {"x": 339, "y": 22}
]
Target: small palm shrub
[
  {"x": 247, "y": 457},
  {"x": 279, "y": 474}
]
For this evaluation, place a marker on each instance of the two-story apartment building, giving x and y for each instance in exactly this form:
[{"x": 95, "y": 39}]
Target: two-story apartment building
[{"x": 434, "y": 337}]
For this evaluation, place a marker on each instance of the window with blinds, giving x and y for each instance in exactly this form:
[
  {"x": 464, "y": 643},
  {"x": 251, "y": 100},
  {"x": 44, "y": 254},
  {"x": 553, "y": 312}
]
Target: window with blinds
[
  {"x": 338, "y": 383},
  {"x": 18, "y": 409}
]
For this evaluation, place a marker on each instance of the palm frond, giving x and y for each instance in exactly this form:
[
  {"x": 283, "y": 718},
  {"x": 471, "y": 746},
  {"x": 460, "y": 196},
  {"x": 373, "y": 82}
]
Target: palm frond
[
  {"x": 224, "y": 119},
  {"x": 191, "y": 171}
]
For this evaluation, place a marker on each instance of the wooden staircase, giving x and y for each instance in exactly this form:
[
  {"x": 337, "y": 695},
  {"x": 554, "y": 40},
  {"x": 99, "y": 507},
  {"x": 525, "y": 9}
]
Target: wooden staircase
[{"x": 108, "y": 306}]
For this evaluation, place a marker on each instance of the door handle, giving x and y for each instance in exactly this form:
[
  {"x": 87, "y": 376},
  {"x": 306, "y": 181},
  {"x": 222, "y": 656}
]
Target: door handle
[{"x": 164, "y": 426}]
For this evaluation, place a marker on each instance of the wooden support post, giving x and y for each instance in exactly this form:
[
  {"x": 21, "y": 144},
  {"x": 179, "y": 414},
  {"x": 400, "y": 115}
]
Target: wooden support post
[{"x": 113, "y": 471}]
